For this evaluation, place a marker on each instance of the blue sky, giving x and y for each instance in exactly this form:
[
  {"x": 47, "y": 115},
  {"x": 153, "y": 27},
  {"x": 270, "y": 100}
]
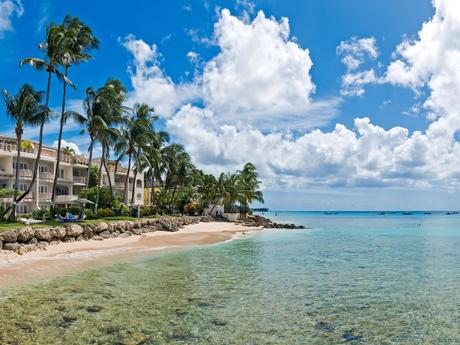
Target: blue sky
[{"x": 210, "y": 74}]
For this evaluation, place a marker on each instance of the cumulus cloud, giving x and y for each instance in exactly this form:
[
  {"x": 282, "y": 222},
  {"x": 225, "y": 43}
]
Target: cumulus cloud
[
  {"x": 150, "y": 83},
  {"x": 368, "y": 155},
  {"x": 8, "y": 10},
  {"x": 71, "y": 145},
  {"x": 355, "y": 52}
]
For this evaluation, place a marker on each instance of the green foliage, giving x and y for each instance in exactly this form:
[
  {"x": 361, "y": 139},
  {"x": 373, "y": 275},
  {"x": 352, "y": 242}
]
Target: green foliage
[
  {"x": 191, "y": 208},
  {"x": 105, "y": 212},
  {"x": 6, "y": 193},
  {"x": 62, "y": 211},
  {"x": 40, "y": 214},
  {"x": 89, "y": 214},
  {"x": 124, "y": 211},
  {"x": 185, "y": 196},
  {"x": 93, "y": 176},
  {"x": 105, "y": 199},
  {"x": 162, "y": 199}
]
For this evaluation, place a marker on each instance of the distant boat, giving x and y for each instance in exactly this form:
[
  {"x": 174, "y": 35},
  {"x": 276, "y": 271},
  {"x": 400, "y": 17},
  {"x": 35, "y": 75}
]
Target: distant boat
[
  {"x": 427, "y": 213},
  {"x": 381, "y": 213},
  {"x": 452, "y": 212},
  {"x": 328, "y": 213},
  {"x": 407, "y": 213}
]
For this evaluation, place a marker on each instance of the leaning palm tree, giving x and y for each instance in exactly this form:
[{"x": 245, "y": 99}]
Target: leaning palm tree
[
  {"x": 248, "y": 187},
  {"x": 23, "y": 109},
  {"x": 78, "y": 39},
  {"x": 52, "y": 48}
]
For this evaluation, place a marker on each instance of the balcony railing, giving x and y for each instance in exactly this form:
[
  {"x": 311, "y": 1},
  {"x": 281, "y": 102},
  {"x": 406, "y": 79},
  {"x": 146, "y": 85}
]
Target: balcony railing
[
  {"x": 9, "y": 145},
  {"x": 46, "y": 175},
  {"x": 43, "y": 196},
  {"x": 79, "y": 179},
  {"x": 24, "y": 173}
]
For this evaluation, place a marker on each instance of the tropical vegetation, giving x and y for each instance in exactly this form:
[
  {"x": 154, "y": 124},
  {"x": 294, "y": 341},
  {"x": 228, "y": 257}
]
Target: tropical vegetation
[{"x": 124, "y": 134}]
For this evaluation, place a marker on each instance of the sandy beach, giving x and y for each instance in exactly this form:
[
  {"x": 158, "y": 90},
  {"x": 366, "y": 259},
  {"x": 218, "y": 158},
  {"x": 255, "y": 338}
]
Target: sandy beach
[{"x": 65, "y": 258}]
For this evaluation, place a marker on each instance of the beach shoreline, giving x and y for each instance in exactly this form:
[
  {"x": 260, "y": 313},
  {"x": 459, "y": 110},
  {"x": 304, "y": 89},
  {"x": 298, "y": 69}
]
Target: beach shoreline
[{"x": 65, "y": 258}]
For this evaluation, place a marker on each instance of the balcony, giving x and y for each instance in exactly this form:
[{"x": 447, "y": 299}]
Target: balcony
[
  {"x": 25, "y": 173},
  {"x": 43, "y": 197},
  {"x": 79, "y": 179},
  {"x": 46, "y": 175},
  {"x": 63, "y": 199}
]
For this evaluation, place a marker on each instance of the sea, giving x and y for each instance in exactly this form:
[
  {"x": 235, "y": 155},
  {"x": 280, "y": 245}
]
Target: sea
[{"x": 347, "y": 278}]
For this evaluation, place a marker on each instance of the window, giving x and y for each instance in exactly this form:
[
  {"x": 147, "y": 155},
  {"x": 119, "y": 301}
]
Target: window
[
  {"x": 139, "y": 196},
  {"x": 62, "y": 190},
  {"x": 61, "y": 173},
  {"x": 139, "y": 184},
  {"x": 43, "y": 168},
  {"x": 22, "y": 209},
  {"x": 22, "y": 166},
  {"x": 22, "y": 186},
  {"x": 43, "y": 189}
]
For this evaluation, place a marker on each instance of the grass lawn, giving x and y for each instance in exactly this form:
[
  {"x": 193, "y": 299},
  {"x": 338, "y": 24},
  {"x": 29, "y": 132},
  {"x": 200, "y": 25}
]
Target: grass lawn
[{"x": 4, "y": 226}]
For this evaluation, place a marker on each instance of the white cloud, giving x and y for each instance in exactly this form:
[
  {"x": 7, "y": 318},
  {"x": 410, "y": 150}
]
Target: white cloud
[
  {"x": 8, "y": 10},
  {"x": 150, "y": 83},
  {"x": 365, "y": 156},
  {"x": 355, "y": 52},
  {"x": 64, "y": 144}
]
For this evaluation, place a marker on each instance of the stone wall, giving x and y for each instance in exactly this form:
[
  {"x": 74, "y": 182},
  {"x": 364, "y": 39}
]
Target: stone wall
[{"x": 27, "y": 239}]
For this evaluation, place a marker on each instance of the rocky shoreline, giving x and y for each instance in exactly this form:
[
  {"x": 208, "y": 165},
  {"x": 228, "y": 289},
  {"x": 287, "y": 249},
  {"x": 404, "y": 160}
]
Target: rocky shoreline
[
  {"x": 27, "y": 239},
  {"x": 256, "y": 221}
]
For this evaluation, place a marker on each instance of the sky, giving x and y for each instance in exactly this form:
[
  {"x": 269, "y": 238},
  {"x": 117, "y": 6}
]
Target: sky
[{"x": 341, "y": 105}]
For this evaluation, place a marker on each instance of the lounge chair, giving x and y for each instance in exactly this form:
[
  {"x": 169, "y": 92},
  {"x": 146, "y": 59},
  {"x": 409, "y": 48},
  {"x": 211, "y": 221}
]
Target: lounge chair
[
  {"x": 30, "y": 221},
  {"x": 69, "y": 218}
]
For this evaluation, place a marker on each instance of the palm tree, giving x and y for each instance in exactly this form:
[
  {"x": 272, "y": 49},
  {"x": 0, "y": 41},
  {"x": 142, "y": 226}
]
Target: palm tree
[
  {"x": 23, "y": 109},
  {"x": 51, "y": 47},
  {"x": 248, "y": 187},
  {"x": 68, "y": 151},
  {"x": 155, "y": 157},
  {"x": 78, "y": 40},
  {"x": 137, "y": 135}
]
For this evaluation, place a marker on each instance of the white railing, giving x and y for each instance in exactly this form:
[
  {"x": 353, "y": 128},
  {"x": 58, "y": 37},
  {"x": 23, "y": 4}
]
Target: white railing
[{"x": 79, "y": 179}]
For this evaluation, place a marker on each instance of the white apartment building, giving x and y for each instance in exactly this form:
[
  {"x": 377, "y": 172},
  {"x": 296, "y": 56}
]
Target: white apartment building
[{"x": 71, "y": 176}]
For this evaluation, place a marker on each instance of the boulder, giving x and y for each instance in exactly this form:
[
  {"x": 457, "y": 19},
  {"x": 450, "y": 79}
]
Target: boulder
[
  {"x": 125, "y": 234},
  {"x": 26, "y": 248},
  {"x": 88, "y": 232},
  {"x": 58, "y": 232},
  {"x": 14, "y": 247},
  {"x": 74, "y": 230},
  {"x": 100, "y": 227},
  {"x": 9, "y": 236},
  {"x": 44, "y": 234},
  {"x": 105, "y": 234},
  {"x": 25, "y": 234}
]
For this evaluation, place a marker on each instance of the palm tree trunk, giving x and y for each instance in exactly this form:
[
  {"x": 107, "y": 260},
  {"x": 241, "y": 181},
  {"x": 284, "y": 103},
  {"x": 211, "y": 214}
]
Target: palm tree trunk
[
  {"x": 109, "y": 180},
  {"x": 125, "y": 190},
  {"x": 96, "y": 205},
  {"x": 134, "y": 187},
  {"x": 172, "y": 198},
  {"x": 90, "y": 159},
  {"x": 58, "y": 158},
  {"x": 16, "y": 178},
  {"x": 152, "y": 197},
  {"x": 39, "y": 151}
]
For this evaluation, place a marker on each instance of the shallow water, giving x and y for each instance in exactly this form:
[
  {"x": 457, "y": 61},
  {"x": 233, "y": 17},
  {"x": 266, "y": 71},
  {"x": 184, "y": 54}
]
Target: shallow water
[{"x": 350, "y": 279}]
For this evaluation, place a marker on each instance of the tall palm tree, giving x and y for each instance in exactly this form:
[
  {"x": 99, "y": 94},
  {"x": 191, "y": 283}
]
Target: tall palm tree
[
  {"x": 155, "y": 159},
  {"x": 248, "y": 187},
  {"x": 137, "y": 134},
  {"x": 23, "y": 108},
  {"x": 52, "y": 48},
  {"x": 78, "y": 40},
  {"x": 68, "y": 151}
]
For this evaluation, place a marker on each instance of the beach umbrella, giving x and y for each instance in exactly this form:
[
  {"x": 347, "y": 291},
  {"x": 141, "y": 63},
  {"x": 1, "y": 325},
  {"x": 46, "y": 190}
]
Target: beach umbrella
[{"x": 83, "y": 201}]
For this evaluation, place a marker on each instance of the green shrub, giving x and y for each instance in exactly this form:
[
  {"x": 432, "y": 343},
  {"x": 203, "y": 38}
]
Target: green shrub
[
  {"x": 105, "y": 200},
  {"x": 105, "y": 212},
  {"x": 89, "y": 214},
  {"x": 62, "y": 211},
  {"x": 146, "y": 211},
  {"x": 124, "y": 211},
  {"x": 40, "y": 213},
  {"x": 74, "y": 209},
  {"x": 6, "y": 193}
]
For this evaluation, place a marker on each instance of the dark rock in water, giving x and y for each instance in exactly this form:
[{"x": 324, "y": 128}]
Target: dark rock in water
[
  {"x": 352, "y": 336},
  {"x": 324, "y": 325},
  {"x": 219, "y": 322},
  {"x": 180, "y": 312},
  {"x": 93, "y": 309},
  {"x": 67, "y": 321}
]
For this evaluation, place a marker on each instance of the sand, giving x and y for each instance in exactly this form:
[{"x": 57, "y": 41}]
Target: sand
[{"x": 65, "y": 258}]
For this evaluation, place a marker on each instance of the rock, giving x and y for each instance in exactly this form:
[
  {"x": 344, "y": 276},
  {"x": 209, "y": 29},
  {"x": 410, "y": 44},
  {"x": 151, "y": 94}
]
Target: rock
[
  {"x": 352, "y": 335},
  {"x": 97, "y": 238},
  {"x": 14, "y": 247},
  {"x": 79, "y": 238},
  {"x": 93, "y": 309},
  {"x": 219, "y": 322},
  {"x": 324, "y": 325},
  {"x": 129, "y": 225},
  {"x": 69, "y": 239},
  {"x": 137, "y": 231},
  {"x": 42, "y": 245},
  {"x": 9, "y": 236},
  {"x": 74, "y": 230},
  {"x": 25, "y": 234},
  {"x": 100, "y": 227},
  {"x": 44, "y": 234},
  {"x": 125, "y": 234},
  {"x": 58, "y": 232},
  {"x": 1, "y": 244},
  {"x": 33, "y": 240},
  {"x": 88, "y": 232},
  {"x": 26, "y": 248},
  {"x": 105, "y": 234}
]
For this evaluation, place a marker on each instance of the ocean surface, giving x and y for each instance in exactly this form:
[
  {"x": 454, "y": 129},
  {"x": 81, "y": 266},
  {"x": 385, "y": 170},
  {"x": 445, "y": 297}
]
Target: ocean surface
[{"x": 350, "y": 278}]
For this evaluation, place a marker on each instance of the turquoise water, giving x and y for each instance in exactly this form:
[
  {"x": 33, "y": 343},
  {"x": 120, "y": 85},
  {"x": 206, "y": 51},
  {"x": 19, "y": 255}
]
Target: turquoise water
[{"x": 351, "y": 278}]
